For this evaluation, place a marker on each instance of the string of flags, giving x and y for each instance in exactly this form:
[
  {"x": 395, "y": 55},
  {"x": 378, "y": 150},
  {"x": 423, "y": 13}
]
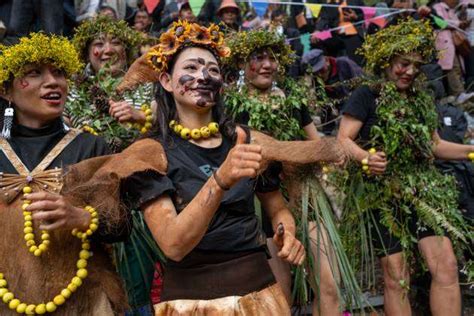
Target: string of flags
[{"x": 261, "y": 6}]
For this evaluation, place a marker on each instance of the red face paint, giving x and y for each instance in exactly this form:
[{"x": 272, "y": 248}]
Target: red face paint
[
  {"x": 96, "y": 52},
  {"x": 253, "y": 65},
  {"x": 24, "y": 84}
]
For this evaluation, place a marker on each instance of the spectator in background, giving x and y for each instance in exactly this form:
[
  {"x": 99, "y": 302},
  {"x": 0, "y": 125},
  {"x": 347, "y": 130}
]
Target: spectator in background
[
  {"x": 334, "y": 72},
  {"x": 185, "y": 12},
  {"x": 350, "y": 35},
  {"x": 170, "y": 13},
  {"x": 449, "y": 59},
  {"x": 279, "y": 24},
  {"x": 142, "y": 21},
  {"x": 26, "y": 14},
  {"x": 229, "y": 14},
  {"x": 107, "y": 10},
  {"x": 5, "y": 8},
  {"x": 467, "y": 13}
]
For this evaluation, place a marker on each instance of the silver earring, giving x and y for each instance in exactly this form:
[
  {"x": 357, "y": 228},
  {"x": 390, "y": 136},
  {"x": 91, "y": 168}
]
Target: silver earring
[
  {"x": 274, "y": 86},
  {"x": 241, "y": 80},
  {"x": 8, "y": 121},
  {"x": 65, "y": 127}
]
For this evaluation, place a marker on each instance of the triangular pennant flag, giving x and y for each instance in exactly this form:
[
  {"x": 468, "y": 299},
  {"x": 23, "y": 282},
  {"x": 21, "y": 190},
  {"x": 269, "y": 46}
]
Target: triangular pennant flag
[
  {"x": 305, "y": 40},
  {"x": 260, "y": 7},
  {"x": 323, "y": 35},
  {"x": 442, "y": 24},
  {"x": 196, "y": 6},
  {"x": 315, "y": 9},
  {"x": 151, "y": 5},
  {"x": 369, "y": 12}
]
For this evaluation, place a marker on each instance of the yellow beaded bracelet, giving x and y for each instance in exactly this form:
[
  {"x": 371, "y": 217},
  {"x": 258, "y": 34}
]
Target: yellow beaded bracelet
[
  {"x": 471, "y": 156},
  {"x": 143, "y": 128},
  {"x": 28, "y": 230},
  {"x": 94, "y": 224},
  {"x": 365, "y": 161}
]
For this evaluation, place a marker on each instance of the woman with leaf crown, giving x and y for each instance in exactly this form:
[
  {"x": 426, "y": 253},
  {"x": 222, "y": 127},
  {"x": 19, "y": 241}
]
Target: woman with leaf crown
[
  {"x": 261, "y": 57},
  {"x": 395, "y": 198}
]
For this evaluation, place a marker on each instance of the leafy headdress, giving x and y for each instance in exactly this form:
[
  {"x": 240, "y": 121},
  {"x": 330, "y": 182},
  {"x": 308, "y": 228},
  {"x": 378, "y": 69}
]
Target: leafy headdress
[
  {"x": 244, "y": 44},
  {"x": 180, "y": 35},
  {"x": 407, "y": 37},
  {"x": 104, "y": 25},
  {"x": 37, "y": 48}
]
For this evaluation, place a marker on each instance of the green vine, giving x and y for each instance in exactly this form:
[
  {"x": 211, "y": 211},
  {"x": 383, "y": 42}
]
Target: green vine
[
  {"x": 274, "y": 113},
  {"x": 411, "y": 186},
  {"x": 87, "y": 107}
]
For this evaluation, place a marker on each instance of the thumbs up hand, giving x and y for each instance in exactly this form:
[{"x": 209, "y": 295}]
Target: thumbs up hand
[
  {"x": 242, "y": 161},
  {"x": 291, "y": 249}
]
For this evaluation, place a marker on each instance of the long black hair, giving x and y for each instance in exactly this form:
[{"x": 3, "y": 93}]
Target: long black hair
[{"x": 166, "y": 110}]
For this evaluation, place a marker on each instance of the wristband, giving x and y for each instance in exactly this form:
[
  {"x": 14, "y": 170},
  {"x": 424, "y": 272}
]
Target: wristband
[
  {"x": 471, "y": 156},
  {"x": 219, "y": 182}
]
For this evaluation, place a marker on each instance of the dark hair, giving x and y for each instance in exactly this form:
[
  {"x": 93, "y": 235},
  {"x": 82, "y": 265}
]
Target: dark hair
[
  {"x": 278, "y": 12},
  {"x": 166, "y": 110}
]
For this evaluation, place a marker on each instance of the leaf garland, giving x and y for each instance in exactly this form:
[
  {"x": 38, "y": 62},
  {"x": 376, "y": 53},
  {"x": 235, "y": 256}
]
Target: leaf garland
[
  {"x": 411, "y": 186},
  {"x": 272, "y": 113},
  {"x": 83, "y": 110}
]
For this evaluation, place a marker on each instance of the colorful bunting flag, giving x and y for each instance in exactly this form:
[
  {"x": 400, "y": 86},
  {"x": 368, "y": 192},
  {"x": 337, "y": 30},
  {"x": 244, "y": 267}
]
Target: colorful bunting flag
[
  {"x": 196, "y": 6},
  {"x": 151, "y": 5},
  {"x": 323, "y": 35},
  {"x": 305, "y": 40},
  {"x": 260, "y": 8},
  {"x": 315, "y": 9},
  {"x": 369, "y": 12},
  {"x": 442, "y": 24}
]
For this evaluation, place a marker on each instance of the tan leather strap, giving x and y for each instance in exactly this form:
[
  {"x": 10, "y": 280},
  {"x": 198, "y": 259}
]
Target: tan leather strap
[
  {"x": 53, "y": 154},
  {"x": 40, "y": 179}
]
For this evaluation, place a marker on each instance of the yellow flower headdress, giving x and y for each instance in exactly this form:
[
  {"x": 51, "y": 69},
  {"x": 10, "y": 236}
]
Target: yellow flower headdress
[
  {"x": 38, "y": 48},
  {"x": 180, "y": 35},
  {"x": 407, "y": 37}
]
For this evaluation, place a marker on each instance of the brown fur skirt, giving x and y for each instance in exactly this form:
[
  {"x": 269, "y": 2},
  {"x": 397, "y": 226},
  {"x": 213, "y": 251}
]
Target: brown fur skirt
[{"x": 269, "y": 301}]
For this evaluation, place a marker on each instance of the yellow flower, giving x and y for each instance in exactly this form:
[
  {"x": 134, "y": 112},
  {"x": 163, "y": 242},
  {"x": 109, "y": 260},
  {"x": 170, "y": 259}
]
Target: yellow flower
[{"x": 38, "y": 48}]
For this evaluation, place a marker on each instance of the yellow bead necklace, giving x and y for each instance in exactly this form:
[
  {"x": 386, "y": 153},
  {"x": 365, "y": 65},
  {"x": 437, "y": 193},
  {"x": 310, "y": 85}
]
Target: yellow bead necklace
[
  {"x": 31, "y": 309},
  {"x": 207, "y": 131}
]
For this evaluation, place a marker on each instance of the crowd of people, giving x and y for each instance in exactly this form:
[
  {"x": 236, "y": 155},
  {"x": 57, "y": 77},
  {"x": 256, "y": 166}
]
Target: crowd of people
[{"x": 159, "y": 159}]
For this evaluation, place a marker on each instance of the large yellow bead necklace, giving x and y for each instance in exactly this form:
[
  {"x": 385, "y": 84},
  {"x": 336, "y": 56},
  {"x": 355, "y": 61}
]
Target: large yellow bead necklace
[
  {"x": 31, "y": 309},
  {"x": 207, "y": 131}
]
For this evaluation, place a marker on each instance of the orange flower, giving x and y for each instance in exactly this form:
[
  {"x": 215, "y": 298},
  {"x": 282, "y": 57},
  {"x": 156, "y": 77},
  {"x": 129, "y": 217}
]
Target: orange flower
[
  {"x": 200, "y": 34},
  {"x": 168, "y": 43},
  {"x": 157, "y": 59},
  {"x": 181, "y": 29}
]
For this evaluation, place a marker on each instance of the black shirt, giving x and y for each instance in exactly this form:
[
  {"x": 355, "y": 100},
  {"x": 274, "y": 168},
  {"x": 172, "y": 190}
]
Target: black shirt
[
  {"x": 235, "y": 226},
  {"x": 32, "y": 145},
  {"x": 362, "y": 106}
]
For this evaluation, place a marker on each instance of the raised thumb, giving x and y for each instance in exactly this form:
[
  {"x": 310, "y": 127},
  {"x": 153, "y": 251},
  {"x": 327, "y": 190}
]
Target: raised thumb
[
  {"x": 278, "y": 237},
  {"x": 241, "y": 136}
]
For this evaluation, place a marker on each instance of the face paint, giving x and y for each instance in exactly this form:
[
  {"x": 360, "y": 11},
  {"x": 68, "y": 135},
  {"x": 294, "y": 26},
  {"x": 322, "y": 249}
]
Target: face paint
[
  {"x": 201, "y": 61},
  {"x": 96, "y": 52},
  {"x": 211, "y": 83},
  {"x": 185, "y": 81},
  {"x": 23, "y": 83}
]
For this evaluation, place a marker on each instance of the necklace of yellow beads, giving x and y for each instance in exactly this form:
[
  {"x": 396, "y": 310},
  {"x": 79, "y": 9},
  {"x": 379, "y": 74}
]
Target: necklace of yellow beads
[
  {"x": 37, "y": 250},
  {"x": 207, "y": 131}
]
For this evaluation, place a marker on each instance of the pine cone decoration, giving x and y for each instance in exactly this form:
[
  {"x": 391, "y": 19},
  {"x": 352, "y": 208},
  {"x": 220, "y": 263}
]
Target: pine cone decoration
[
  {"x": 115, "y": 144},
  {"x": 99, "y": 99}
]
